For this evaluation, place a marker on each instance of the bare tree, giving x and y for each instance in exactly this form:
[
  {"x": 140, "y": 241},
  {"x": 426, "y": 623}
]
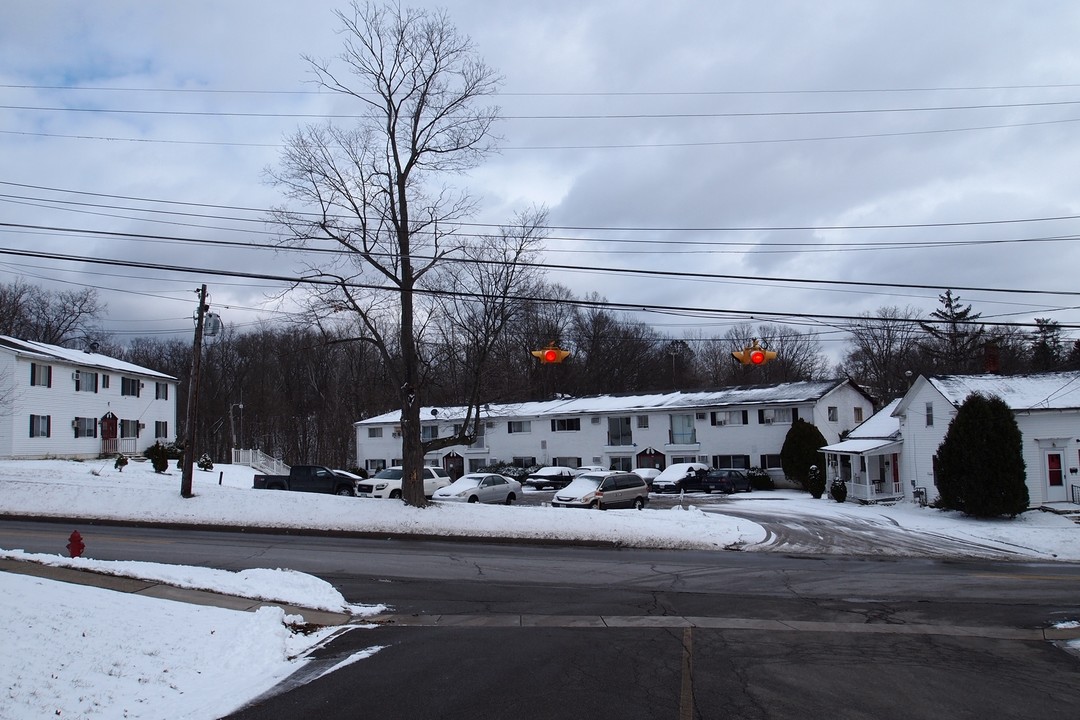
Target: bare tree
[
  {"x": 376, "y": 191},
  {"x": 29, "y": 312},
  {"x": 883, "y": 348}
]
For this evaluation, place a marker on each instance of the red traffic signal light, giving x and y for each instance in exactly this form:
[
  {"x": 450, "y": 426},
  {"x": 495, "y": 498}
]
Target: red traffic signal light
[
  {"x": 551, "y": 355},
  {"x": 754, "y": 355}
]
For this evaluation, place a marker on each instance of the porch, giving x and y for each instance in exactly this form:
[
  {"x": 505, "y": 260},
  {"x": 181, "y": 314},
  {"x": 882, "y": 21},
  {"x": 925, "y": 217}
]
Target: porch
[{"x": 869, "y": 468}]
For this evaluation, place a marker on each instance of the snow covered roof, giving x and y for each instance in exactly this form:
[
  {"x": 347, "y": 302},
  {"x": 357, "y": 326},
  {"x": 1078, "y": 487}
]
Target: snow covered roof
[
  {"x": 796, "y": 392},
  {"x": 1044, "y": 391},
  {"x": 881, "y": 424},
  {"x": 76, "y": 357},
  {"x": 859, "y": 447}
]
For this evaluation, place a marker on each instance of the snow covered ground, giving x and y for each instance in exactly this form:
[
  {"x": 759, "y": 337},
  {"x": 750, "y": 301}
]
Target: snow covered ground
[{"x": 74, "y": 651}]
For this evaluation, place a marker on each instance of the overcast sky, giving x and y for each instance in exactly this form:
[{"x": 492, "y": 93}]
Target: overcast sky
[{"x": 765, "y": 138}]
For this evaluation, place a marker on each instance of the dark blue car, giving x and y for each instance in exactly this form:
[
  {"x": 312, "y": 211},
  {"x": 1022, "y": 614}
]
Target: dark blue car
[{"x": 726, "y": 481}]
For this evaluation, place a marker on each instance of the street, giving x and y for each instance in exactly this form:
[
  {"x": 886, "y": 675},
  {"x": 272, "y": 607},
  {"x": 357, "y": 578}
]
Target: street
[{"x": 507, "y": 630}]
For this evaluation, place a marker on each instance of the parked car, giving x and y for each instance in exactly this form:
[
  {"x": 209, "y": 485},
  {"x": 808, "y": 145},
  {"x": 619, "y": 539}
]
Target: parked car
[
  {"x": 307, "y": 478},
  {"x": 681, "y": 477},
  {"x": 603, "y": 490},
  {"x": 726, "y": 481},
  {"x": 552, "y": 476},
  {"x": 589, "y": 468},
  {"x": 481, "y": 487},
  {"x": 647, "y": 474},
  {"x": 387, "y": 482}
]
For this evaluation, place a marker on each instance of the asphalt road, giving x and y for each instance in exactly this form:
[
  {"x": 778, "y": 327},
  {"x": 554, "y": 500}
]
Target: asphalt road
[{"x": 497, "y": 631}]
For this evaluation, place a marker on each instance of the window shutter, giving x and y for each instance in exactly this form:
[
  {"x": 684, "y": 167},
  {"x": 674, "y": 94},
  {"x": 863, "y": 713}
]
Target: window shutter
[
  {"x": 49, "y": 373},
  {"x": 48, "y": 426},
  {"x": 761, "y": 417},
  {"x": 794, "y": 415}
]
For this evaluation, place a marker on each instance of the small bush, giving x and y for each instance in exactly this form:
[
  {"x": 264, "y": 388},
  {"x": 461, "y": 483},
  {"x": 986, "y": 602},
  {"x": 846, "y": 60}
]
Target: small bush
[
  {"x": 760, "y": 479},
  {"x": 205, "y": 463},
  {"x": 121, "y": 462},
  {"x": 815, "y": 482},
  {"x": 838, "y": 490},
  {"x": 159, "y": 457}
]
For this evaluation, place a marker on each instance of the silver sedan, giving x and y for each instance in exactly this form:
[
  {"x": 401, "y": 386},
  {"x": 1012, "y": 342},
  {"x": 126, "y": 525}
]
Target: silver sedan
[{"x": 481, "y": 487}]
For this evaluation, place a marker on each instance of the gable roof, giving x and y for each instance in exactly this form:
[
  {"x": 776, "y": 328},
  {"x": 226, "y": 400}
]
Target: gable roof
[
  {"x": 1042, "y": 391},
  {"x": 796, "y": 392},
  {"x": 880, "y": 432},
  {"x": 78, "y": 358}
]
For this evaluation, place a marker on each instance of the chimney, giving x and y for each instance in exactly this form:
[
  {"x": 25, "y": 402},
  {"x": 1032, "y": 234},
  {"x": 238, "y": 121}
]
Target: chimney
[{"x": 991, "y": 357}]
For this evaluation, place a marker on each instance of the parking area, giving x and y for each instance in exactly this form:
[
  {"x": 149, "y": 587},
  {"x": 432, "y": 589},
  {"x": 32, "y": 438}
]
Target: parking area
[{"x": 539, "y": 498}]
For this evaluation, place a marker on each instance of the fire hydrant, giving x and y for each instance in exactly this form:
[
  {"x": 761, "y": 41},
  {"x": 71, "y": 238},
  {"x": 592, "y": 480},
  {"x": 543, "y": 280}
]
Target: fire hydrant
[{"x": 75, "y": 544}]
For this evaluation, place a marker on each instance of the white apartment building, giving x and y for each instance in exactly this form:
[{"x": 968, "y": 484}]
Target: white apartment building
[{"x": 737, "y": 427}]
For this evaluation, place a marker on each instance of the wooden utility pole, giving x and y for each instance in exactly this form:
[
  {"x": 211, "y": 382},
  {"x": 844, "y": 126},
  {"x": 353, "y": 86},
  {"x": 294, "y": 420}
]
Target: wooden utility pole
[{"x": 193, "y": 398}]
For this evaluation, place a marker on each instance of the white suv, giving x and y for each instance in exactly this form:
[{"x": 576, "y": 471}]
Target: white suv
[{"x": 387, "y": 483}]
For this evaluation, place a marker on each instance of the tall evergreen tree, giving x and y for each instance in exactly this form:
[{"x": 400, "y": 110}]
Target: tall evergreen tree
[
  {"x": 1047, "y": 352},
  {"x": 981, "y": 462},
  {"x": 954, "y": 338},
  {"x": 802, "y": 450}
]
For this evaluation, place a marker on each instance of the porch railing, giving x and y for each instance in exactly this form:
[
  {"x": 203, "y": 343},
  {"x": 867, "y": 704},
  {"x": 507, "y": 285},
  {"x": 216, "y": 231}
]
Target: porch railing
[
  {"x": 113, "y": 446},
  {"x": 260, "y": 461},
  {"x": 1075, "y": 494}
]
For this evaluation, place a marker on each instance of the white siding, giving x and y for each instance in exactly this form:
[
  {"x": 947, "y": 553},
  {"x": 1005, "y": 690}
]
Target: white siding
[{"x": 62, "y": 403}]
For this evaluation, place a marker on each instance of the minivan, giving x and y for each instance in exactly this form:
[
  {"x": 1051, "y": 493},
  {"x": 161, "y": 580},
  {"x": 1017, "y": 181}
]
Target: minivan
[{"x": 603, "y": 490}]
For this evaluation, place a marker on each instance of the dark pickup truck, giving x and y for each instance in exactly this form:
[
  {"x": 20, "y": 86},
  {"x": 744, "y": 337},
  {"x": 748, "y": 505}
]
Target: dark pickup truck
[{"x": 308, "y": 478}]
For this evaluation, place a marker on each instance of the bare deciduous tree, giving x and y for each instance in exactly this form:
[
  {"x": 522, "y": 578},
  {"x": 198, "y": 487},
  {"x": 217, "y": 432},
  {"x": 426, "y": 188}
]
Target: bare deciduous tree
[
  {"x": 376, "y": 190},
  {"x": 883, "y": 348}
]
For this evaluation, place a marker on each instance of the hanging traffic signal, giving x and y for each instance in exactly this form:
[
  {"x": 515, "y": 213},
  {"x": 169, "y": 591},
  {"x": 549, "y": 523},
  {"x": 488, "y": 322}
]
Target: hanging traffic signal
[
  {"x": 551, "y": 354},
  {"x": 754, "y": 355}
]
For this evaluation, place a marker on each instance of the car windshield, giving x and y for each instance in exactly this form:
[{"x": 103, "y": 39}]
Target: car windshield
[
  {"x": 582, "y": 485},
  {"x": 465, "y": 481},
  {"x": 389, "y": 474}
]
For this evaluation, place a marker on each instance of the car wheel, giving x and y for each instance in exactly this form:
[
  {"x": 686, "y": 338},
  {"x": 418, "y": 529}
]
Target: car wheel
[
  {"x": 344, "y": 491},
  {"x": 639, "y": 503},
  {"x": 510, "y": 499},
  {"x": 395, "y": 494},
  {"x": 707, "y": 490},
  {"x": 474, "y": 499},
  {"x": 594, "y": 505}
]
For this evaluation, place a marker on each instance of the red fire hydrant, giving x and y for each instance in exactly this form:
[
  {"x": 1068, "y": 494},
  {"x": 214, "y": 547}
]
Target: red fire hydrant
[{"x": 75, "y": 544}]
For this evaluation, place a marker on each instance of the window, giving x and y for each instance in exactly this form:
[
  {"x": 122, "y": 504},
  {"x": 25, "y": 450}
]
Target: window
[
  {"x": 834, "y": 413},
  {"x": 643, "y": 422},
  {"x": 161, "y": 391},
  {"x": 41, "y": 375},
  {"x": 566, "y": 425},
  {"x": 85, "y": 381},
  {"x": 129, "y": 428},
  {"x": 770, "y": 461},
  {"x": 858, "y": 414},
  {"x": 570, "y": 462},
  {"x": 779, "y": 416},
  {"x": 519, "y": 426},
  {"x": 129, "y": 386},
  {"x": 929, "y": 414},
  {"x": 429, "y": 432},
  {"x": 624, "y": 464},
  {"x": 374, "y": 466},
  {"x": 524, "y": 462},
  {"x": 85, "y": 427},
  {"x": 682, "y": 430},
  {"x": 728, "y": 462},
  {"x": 619, "y": 432},
  {"x": 161, "y": 429},
  {"x": 476, "y": 464},
  {"x": 374, "y": 432},
  {"x": 40, "y": 425},
  {"x": 729, "y": 417},
  {"x": 104, "y": 382}
]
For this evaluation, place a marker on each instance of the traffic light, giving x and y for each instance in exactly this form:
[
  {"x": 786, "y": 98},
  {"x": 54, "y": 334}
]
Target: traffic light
[
  {"x": 754, "y": 355},
  {"x": 551, "y": 354}
]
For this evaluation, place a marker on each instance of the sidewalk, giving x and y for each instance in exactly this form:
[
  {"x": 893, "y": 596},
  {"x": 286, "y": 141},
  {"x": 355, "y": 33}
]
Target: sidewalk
[{"x": 162, "y": 591}]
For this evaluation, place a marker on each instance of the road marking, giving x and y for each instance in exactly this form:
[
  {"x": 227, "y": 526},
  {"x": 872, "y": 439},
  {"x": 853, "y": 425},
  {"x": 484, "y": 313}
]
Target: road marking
[{"x": 719, "y": 623}]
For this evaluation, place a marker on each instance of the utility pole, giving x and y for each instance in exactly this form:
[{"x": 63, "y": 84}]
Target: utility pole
[{"x": 193, "y": 397}]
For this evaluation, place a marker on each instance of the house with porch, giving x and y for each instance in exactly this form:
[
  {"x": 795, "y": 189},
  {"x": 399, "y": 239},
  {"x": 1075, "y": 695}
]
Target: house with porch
[
  {"x": 735, "y": 427},
  {"x": 1047, "y": 411},
  {"x": 868, "y": 458},
  {"x": 56, "y": 402}
]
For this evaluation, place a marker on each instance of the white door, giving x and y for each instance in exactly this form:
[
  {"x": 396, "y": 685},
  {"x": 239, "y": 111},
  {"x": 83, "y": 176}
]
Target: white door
[{"x": 1055, "y": 476}]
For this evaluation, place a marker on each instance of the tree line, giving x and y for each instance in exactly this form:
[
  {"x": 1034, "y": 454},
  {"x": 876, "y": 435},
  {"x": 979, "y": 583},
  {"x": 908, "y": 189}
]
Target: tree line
[{"x": 302, "y": 386}]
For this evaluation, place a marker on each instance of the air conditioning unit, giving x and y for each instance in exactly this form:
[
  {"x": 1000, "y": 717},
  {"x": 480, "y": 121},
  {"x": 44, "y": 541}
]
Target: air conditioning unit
[
  {"x": 74, "y": 424},
  {"x": 721, "y": 422},
  {"x": 75, "y": 376},
  {"x": 768, "y": 421},
  {"x": 142, "y": 426},
  {"x": 596, "y": 421},
  {"x": 700, "y": 416}
]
